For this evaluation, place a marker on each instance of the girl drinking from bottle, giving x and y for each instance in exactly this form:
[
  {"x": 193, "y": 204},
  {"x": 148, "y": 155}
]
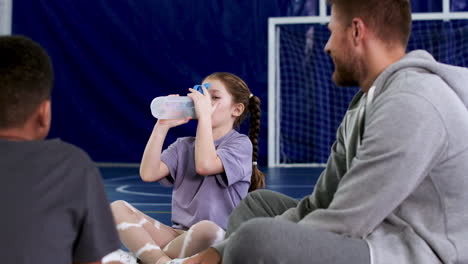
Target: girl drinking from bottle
[{"x": 210, "y": 173}]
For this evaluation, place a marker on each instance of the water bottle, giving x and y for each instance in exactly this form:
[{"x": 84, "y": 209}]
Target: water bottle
[{"x": 173, "y": 107}]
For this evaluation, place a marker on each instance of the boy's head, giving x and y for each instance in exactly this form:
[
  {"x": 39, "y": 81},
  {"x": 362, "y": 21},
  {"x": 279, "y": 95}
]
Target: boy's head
[{"x": 26, "y": 78}]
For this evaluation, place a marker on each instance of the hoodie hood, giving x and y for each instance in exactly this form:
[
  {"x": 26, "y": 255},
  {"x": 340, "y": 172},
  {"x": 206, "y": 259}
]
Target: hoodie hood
[{"x": 455, "y": 77}]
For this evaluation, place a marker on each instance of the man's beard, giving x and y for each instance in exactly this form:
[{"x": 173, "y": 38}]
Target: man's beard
[{"x": 347, "y": 70}]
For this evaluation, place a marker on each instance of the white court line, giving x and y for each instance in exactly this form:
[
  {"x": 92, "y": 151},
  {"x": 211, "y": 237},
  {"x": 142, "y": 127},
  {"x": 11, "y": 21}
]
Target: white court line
[
  {"x": 151, "y": 204},
  {"x": 120, "y": 178},
  {"x": 289, "y": 186},
  {"x": 268, "y": 185},
  {"x": 122, "y": 188}
]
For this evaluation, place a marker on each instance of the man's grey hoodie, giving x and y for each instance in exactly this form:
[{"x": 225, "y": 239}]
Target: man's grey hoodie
[{"x": 397, "y": 175}]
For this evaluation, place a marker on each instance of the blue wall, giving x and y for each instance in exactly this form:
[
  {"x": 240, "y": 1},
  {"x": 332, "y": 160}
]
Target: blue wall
[{"x": 111, "y": 58}]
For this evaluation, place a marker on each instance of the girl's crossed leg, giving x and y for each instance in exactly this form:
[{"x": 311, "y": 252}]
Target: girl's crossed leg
[{"x": 156, "y": 243}]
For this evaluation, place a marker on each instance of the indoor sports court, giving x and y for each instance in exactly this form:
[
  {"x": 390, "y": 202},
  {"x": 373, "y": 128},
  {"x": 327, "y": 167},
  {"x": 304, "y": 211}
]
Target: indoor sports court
[
  {"x": 155, "y": 200},
  {"x": 113, "y": 58}
]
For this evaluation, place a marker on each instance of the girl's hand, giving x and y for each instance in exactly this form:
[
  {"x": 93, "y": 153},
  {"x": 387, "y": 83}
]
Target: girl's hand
[
  {"x": 208, "y": 256},
  {"x": 170, "y": 123},
  {"x": 202, "y": 102}
]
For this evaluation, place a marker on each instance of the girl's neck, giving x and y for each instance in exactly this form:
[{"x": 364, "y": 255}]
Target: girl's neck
[{"x": 219, "y": 132}]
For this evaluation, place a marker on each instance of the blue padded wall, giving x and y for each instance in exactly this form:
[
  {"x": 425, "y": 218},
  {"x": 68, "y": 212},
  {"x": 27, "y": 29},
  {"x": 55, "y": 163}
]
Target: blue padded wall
[{"x": 111, "y": 58}]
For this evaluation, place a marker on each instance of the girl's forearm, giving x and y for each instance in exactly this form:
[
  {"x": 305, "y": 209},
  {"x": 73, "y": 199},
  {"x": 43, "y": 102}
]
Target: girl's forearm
[
  {"x": 205, "y": 151},
  {"x": 151, "y": 161}
]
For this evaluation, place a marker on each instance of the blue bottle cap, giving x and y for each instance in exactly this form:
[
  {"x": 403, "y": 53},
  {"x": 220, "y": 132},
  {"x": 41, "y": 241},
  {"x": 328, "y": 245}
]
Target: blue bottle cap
[{"x": 199, "y": 88}]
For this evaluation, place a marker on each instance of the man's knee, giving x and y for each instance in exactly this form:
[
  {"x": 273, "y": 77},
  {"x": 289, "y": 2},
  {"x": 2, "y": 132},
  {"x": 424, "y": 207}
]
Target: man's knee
[
  {"x": 259, "y": 194},
  {"x": 251, "y": 241},
  {"x": 252, "y": 199}
]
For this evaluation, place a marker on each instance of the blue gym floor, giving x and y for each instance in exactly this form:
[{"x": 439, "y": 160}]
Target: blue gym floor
[{"x": 155, "y": 200}]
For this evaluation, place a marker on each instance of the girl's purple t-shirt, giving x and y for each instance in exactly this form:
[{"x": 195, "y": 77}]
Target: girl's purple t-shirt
[{"x": 196, "y": 197}]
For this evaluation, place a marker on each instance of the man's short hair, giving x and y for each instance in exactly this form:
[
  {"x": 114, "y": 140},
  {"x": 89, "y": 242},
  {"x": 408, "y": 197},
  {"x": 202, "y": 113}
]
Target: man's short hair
[
  {"x": 26, "y": 78},
  {"x": 390, "y": 20}
]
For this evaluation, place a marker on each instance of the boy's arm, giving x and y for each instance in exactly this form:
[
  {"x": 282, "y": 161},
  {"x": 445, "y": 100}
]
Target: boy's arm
[{"x": 96, "y": 232}]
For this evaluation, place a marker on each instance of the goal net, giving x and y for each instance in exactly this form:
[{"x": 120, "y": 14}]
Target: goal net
[{"x": 306, "y": 108}]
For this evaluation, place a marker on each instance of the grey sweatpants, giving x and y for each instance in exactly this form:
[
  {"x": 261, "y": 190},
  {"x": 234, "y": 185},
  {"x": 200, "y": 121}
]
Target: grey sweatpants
[{"x": 253, "y": 236}]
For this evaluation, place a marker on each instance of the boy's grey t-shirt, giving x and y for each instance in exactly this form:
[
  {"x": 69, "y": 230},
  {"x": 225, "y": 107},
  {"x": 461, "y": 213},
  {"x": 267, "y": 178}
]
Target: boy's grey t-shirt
[
  {"x": 54, "y": 208},
  {"x": 213, "y": 197}
]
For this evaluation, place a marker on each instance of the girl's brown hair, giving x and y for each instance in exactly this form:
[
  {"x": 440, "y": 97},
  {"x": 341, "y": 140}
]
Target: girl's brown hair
[{"x": 241, "y": 94}]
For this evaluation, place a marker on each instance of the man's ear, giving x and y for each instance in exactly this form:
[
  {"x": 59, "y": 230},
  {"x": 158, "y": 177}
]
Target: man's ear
[
  {"x": 358, "y": 30},
  {"x": 238, "y": 109},
  {"x": 44, "y": 117}
]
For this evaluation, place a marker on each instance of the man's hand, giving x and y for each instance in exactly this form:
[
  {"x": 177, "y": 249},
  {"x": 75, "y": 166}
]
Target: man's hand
[{"x": 208, "y": 256}]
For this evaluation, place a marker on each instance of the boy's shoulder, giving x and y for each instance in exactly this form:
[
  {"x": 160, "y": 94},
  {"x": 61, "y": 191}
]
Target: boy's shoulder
[{"x": 67, "y": 151}]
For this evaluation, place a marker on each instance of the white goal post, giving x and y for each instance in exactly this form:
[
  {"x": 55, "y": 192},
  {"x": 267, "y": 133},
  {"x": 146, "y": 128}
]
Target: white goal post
[
  {"x": 6, "y": 8},
  {"x": 275, "y": 145}
]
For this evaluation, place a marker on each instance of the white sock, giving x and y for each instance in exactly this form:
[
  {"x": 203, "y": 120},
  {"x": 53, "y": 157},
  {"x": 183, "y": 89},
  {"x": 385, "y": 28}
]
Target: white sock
[{"x": 120, "y": 255}]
